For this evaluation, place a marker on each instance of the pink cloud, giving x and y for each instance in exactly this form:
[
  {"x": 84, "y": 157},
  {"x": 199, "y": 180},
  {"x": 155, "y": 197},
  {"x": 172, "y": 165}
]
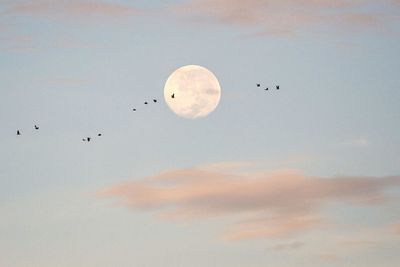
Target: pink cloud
[
  {"x": 261, "y": 204},
  {"x": 75, "y": 8},
  {"x": 263, "y": 17},
  {"x": 396, "y": 229},
  {"x": 288, "y": 16}
]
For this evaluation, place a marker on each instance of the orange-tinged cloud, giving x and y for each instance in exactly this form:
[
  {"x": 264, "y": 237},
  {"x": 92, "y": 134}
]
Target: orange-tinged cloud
[{"x": 263, "y": 204}]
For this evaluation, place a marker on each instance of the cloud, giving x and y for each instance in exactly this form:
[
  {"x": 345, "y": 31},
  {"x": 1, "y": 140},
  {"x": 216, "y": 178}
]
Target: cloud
[
  {"x": 263, "y": 17},
  {"x": 230, "y": 166},
  {"x": 80, "y": 12},
  {"x": 328, "y": 257},
  {"x": 357, "y": 242},
  {"x": 289, "y": 246},
  {"x": 71, "y": 8},
  {"x": 396, "y": 229},
  {"x": 260, "y": 204},
  {"x": 357, "y": 142},
  {"x": 290, "y": 16}
]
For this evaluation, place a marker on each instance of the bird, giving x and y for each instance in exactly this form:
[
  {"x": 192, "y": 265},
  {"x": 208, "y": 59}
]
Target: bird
[
  {"x": 88, "y": 139},
  {"x": 155, "y": 100},
  {"x": 84, "y": 140},
  {"x": 266, "y": 89},
  {"x": 277, "y": 87},
  {"x": 258, "y": 85},
  {"x": 134, "y": 109},
  {"x": 145, "y": 103},
  {"x": 173, "y": 95},
  {"x": 36, "y": 127},
  {"x": 18, "y": 132},
  {"x": 99, "y": 134}
]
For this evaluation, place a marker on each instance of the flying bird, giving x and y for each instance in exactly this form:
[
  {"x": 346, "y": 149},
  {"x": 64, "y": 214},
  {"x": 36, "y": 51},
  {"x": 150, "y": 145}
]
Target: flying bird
[
  {"x": 145, "y": 103},
  {"x": 18, "y": 132},
  {"x": 266, "y": 89},
  {"x": 99, "y": 134},
  {"x": 258, "y": 85},
  {"x": 88, "y": 139},
  {"x": 155, "y": 100},
  {"x": 36, "y": 127},
  {"x": 277, "y": 87},
  {"x": 134, "y": 109},
  {"x": 173, "y": 95}
]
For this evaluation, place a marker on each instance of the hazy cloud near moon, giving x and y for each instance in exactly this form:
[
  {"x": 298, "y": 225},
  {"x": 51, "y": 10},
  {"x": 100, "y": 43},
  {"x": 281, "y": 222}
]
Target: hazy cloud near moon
[{"x": 262, "y": 204}]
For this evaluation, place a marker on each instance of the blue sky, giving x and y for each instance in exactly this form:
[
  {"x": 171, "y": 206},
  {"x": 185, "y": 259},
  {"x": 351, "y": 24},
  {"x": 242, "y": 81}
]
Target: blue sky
[{"x": 77, "y": 68}]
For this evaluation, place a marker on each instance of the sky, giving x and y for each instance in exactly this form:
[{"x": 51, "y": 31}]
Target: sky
[{"x": 305, "y": 176}]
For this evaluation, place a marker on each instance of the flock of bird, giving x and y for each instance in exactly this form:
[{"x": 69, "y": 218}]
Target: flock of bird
[
  {"x": 146, "y": 103},
  {"x": 88, "y": 139},
  {"x": 267, "y": 88},
  {"x": 36, "y": 128}
]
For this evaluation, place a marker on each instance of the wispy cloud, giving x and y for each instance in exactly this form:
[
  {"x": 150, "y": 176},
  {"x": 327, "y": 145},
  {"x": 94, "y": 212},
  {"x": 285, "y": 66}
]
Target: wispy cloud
[
  {"x": 290, "y": 16},
  {"x": 357, "y": 142},
  {"x": 396, "y": 229},
  {"x": 289, "y": 246},
  {"x": 72, "y": 8},
  {"x": 261, "y": 204},
  {"x": 262, "y": 17},
  {"x": 357, "y": 242},
  {"x": 74, "y": 12},
  {"x": 229, "y": 166}
]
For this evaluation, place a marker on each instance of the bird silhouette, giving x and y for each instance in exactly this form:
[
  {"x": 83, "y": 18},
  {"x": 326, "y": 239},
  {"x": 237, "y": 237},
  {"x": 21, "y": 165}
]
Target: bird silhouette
[
  {"x": 99, "y": 134},
  {"x": 134, "y": 109},
  {"x": 88, "y": 139},
  {"x": 145, "y": 103},
  {"x": 277, "y": 87},
  {"x": 155, "y": 100},
  {"x": 266, "y": 89},
  {"x": 173, "y": 95},
  {"x": 84, "y": 140},
  {"x": 36, "y": 127},
  {"x": 258, "y": 85},
  {"x": 18, "y": 132}
]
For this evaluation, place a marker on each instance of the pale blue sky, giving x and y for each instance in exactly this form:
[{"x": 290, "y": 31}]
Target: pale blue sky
[{"x": 337, "y": 114}]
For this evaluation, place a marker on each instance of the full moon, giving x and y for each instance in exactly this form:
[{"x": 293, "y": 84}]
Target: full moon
[{"x": 192, "y": 92}]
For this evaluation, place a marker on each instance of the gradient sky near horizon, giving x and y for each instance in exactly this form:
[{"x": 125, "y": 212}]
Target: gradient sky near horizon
[{"x": 305, "y": 176}]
